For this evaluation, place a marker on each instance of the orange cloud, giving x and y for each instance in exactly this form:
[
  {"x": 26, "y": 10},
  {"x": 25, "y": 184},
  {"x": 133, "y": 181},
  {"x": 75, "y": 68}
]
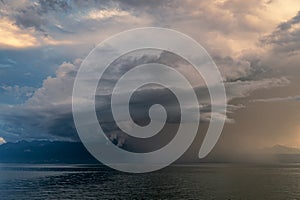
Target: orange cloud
[{"x": 13, "y": 37}]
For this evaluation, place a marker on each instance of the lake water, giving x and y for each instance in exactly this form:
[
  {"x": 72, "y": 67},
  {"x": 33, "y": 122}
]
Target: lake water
[{"x": 203, "y": 181}]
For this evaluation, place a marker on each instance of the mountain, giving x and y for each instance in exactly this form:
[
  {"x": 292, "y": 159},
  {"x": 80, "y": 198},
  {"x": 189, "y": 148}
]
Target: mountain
[
  {"x": 55, "y": 152},
  {"x": 281, "y": 149},
  {"x": 282, "y": 154},
  {"x": 45, "y": 152},
  {"x": 277, "y": 154}
]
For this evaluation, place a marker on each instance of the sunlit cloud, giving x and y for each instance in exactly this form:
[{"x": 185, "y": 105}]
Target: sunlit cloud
[
  {"x": 105, "y": 14},
  {"x": 50, "y": 41},
  {"x": 281, "y": 10},
  {"x": 13, "y": 36}
]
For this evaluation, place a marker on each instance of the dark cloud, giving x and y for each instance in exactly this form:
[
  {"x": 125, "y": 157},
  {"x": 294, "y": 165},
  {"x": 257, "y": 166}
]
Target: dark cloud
[
  {"x": 43, "y": 15},
  {"x": 43, "y": 12},
  {"x": 54, "y": 5},
  {"x": 285, "y": 39},
  {"x": 288, "y": 24},
  {"x": 31, "y": 17}
]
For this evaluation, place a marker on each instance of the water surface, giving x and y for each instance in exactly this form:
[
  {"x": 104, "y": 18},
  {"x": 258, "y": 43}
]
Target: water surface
[{"x": 203, "y": 181}]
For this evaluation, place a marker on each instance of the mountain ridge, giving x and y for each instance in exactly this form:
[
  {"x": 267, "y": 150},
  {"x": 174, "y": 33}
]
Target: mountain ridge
[
  {"x": 281, "y": 149},
  {"x": 45, "y": 152},
  {"x": 55, "y": 152}
]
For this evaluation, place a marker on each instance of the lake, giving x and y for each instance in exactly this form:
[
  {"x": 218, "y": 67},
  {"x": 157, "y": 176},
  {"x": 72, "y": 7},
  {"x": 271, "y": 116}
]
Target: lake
[{"x": 201, "y": 181}]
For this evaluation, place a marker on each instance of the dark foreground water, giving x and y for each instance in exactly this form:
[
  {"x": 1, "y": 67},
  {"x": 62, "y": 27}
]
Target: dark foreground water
[{"x": 205, "y": 181}]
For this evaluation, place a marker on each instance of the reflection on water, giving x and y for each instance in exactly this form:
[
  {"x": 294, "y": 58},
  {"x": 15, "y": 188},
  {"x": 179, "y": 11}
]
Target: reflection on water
[{"x": 209, "y": 181}]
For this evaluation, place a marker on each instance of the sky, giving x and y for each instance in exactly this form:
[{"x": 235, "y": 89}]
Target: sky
[{"x": 255, "y": 44}]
